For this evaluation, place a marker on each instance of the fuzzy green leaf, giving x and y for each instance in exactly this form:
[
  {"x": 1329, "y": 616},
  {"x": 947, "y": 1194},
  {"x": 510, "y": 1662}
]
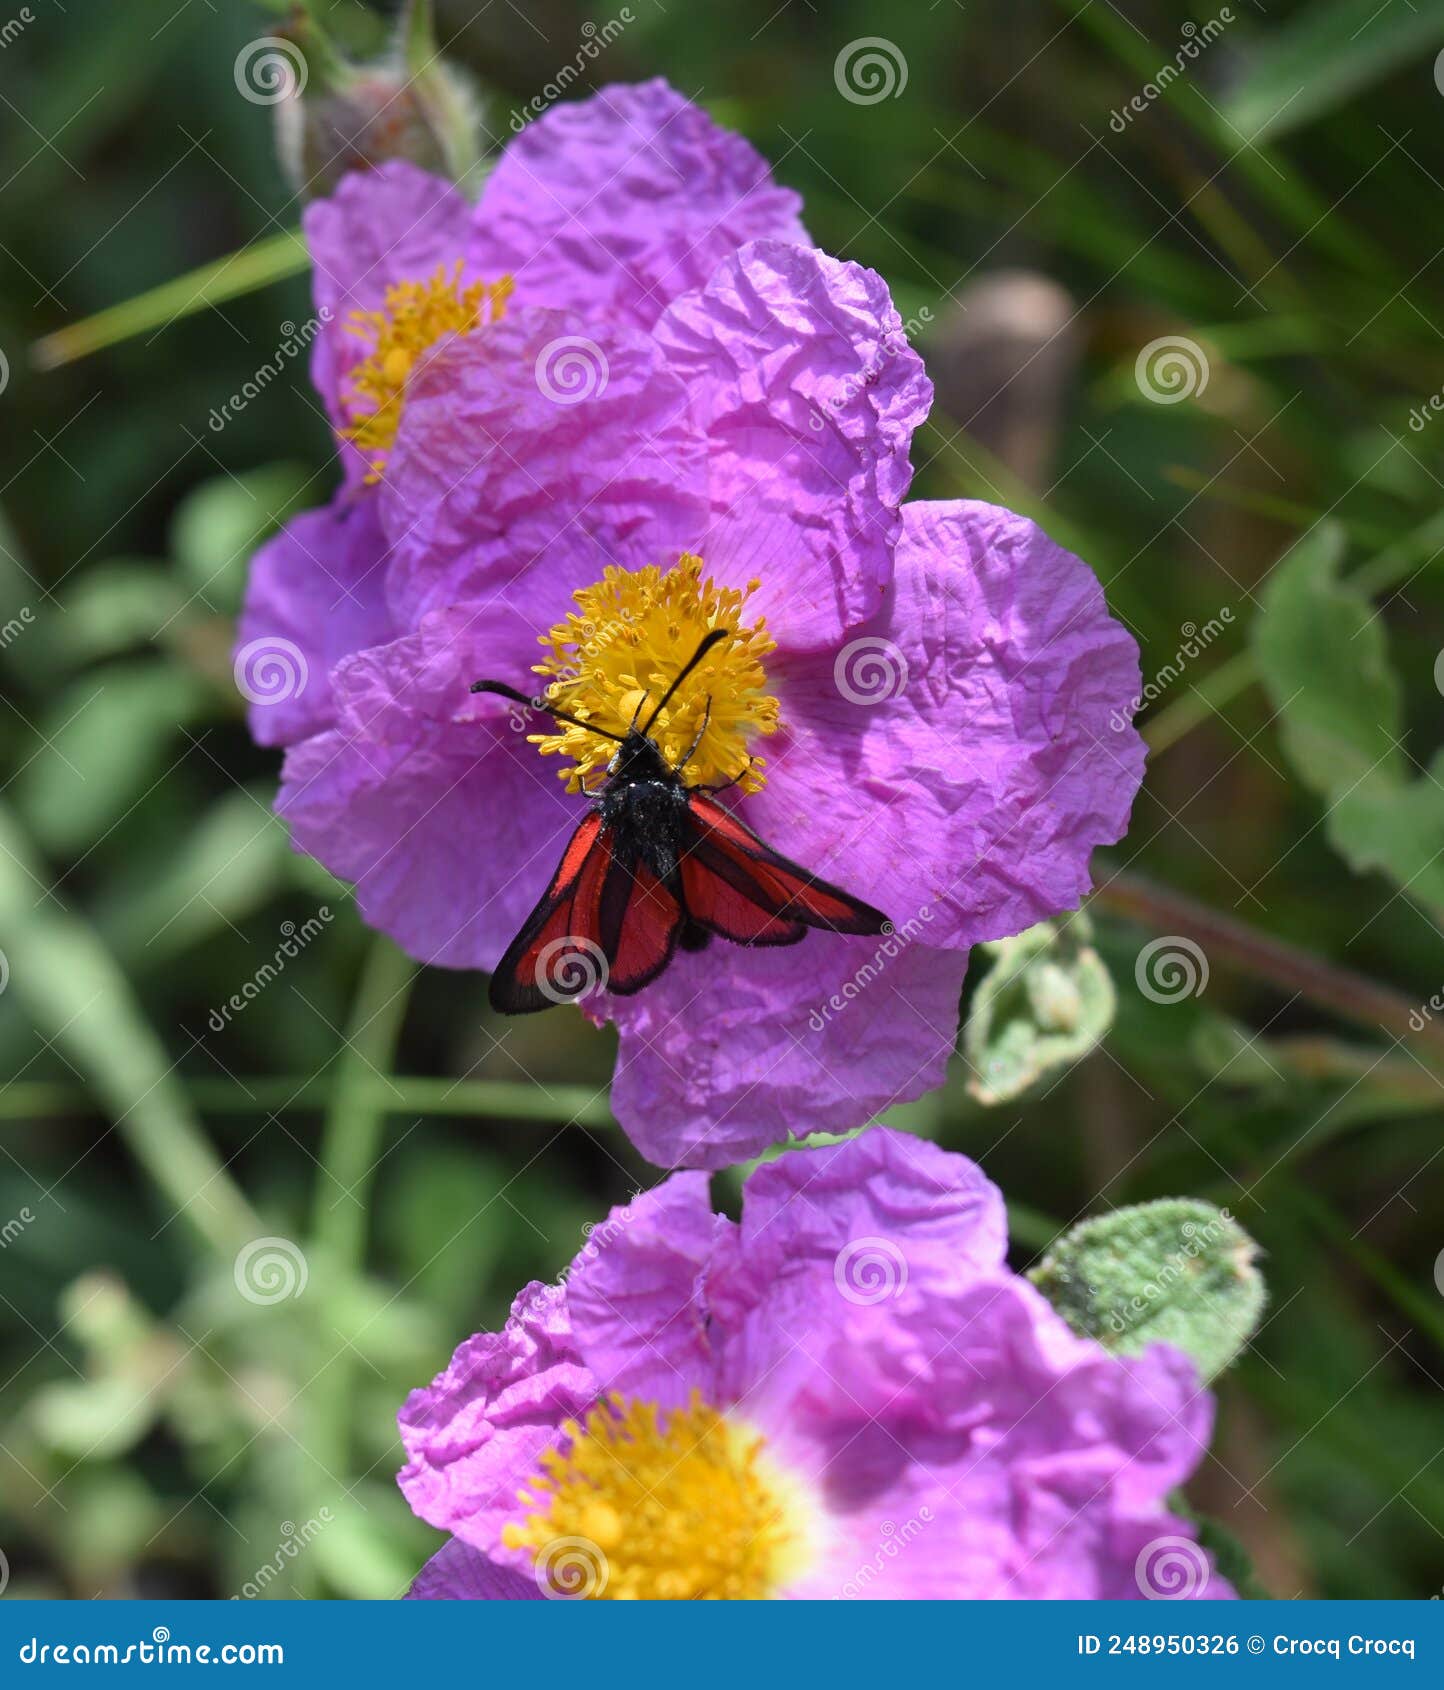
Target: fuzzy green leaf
[
  {"x": 1177, "y": 1272},
  {"x": 1046, "y": 1002}
]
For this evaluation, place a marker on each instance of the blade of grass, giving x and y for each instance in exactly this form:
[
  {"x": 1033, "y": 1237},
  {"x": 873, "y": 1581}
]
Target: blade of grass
[
  {"x": 83, "y": 1002},
  {"x": 254, "y": 266}
]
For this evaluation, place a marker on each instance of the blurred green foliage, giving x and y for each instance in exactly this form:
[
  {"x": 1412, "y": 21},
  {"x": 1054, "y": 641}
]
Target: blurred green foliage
[{"x": 162, "y": 1430}]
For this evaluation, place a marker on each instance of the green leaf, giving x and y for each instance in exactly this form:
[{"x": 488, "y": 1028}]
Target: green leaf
[
  {"x": 114, "y": 608},
  {"x": 1046, "y": 1002},
  {"x": 1323, "y": 655},
  {"x": 80, "y": 998},
  {"x": 1176, "y": 1272},
  {"x": 219, "y": 525},
  {"x": 106, "y": 737},
  {"x": 1325, "y": 662},
  {"x": 1317, "y": 60}
]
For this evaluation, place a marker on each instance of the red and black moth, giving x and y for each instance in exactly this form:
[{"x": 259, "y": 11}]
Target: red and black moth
[{"x": 654, "y": 866}]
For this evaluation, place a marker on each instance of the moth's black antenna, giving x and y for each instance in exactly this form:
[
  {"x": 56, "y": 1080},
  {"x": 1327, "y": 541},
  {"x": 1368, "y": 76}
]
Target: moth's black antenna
[
  {"x": 504, "y": 691},
  {"x": 708, "y": 641}
]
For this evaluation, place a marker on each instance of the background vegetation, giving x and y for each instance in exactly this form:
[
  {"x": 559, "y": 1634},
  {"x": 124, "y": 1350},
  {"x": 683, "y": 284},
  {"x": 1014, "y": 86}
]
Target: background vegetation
[{"x": 1277, "y": 206}]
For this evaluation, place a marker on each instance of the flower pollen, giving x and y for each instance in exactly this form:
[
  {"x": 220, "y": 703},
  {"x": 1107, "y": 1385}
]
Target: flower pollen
[
  {"x": 676, "y": 1505},
  {"x": 633, "y": 632},
  {"x": 415, "y": 316}
]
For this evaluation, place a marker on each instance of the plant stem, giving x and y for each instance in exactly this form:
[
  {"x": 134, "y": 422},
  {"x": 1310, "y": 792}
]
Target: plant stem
[
  {"x": 1342, "y": 992},
  {"x": 403, "y": 1094},
  {"x": 356, "y": 1116},
  {"x": 269, "y": 260}
]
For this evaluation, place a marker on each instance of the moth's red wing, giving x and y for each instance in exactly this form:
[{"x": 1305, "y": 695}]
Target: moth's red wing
[
  {"x": 641, "y": 918},
  {"x": 570, "y": 909},
  {"x": 723, "y": 899},
  {"x": 740, "y": 887}
]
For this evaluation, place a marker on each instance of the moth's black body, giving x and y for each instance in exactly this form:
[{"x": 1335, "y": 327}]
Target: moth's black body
[{"x": 657, "y": 865}]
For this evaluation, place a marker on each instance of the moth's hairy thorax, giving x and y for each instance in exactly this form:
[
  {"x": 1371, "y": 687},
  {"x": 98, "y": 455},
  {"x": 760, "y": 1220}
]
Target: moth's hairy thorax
[{"x": 644, "y": 805}]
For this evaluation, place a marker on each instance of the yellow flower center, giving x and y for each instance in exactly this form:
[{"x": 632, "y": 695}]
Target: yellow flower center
[
  {"x": 614, "y": 657},
  {"x": 662, "y": 1506},
  {"x": 415, "y": 315}
]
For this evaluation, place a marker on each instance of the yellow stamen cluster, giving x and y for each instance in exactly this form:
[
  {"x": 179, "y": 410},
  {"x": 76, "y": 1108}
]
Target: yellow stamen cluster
[
  {"x": 414, "y": 316},
  {"x": 652, "y": 1505},
  {"x": 614, "y": 657}
]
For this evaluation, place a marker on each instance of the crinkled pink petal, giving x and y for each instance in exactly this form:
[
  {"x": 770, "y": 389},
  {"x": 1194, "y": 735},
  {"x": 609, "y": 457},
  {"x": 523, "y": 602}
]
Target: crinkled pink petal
[
  {"x": 529, "y": 444},
  {"x": 391, "y": 224},
  {"x": 315, "y": 594},
  {"x": 459, "y": 1573},
  {"x": 958, "y": 1438},
  {"x": 616, "y": 204},
  {"x": 476, "y": 1433},
  {"x": 798, "y": 370},
  {"x": 633, "y": 1293},
  {"x": 958, "y": 760},
  {"x": 429, "y": 798},
  {"x": 862, "y": 1220},
  {"x": 737, "y": 1049},
  {"x": 1015, "y": 1459}
]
